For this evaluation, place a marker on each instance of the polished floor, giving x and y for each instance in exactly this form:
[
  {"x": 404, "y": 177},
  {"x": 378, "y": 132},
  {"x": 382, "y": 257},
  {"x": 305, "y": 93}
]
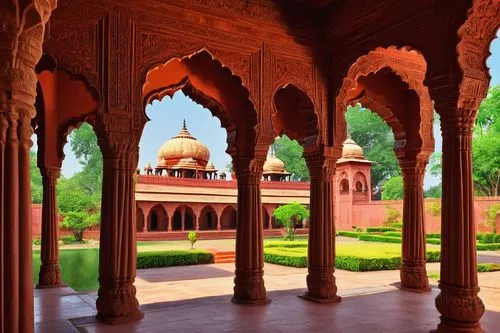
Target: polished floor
[{"x": 197, "y": 299}]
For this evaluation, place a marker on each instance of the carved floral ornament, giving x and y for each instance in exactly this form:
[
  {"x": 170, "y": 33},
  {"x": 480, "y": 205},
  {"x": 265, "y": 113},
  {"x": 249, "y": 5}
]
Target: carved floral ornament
[
  {"x": 476, "y": 35},
  {"x": 407, "y": 64}
]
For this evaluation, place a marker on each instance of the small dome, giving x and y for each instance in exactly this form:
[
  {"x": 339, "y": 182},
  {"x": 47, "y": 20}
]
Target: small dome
[
  {"x": 210, "y": 167},
  {"x": 273, "y": 165},
  {"x": 352, "y": 150},
  {"x": 148, "y": 167},
  {"x": 186, "y": 163},
  {"x": 183, "y": 146}
]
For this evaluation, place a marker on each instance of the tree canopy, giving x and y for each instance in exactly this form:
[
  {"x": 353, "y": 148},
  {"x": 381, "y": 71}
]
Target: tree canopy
[
  {"x": 393, "y": 189},
  {"x": 36, "y": 180},
  {"x": 290, "y": 152},
  {"x": 370, "y": 131},
  {"x": 288, "y": 215}
]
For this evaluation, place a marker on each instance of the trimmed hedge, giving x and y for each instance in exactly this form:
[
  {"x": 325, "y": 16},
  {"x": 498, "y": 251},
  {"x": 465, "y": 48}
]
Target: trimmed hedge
[
  {"x": 397, "y": 225},
  {"x": 488, "y": 238},
  {"x": 393, "y": 234},
  {"x": 488, "y": 267},
  {"x": 358, "y": 264},
  {"x": 380, "y": 229},
  {"x": 173, "y": 258},
  {"x": 488, "y": 247},
  {"x": 286, "y": 244},
  {"x": 285, "y": 258},
  {"x": 434, "y": 241},
  {"x": 352, "y": 234},
  {"x": 379, "y": 238},
  {"x": 435, "y": 235}
]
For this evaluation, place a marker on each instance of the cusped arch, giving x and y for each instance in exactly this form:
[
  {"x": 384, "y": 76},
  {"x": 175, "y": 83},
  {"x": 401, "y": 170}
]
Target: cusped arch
[
  {"x": 157, "y": 219},
  {"x": 228, "y": 218},
  {"x": 208, "y": 218},
  {"x": 295, "y": 114},
  {"x": 360, "y": 179},
  {"x": 407, "y": 64},
  {"x": 204, "y": 79},
  {"x": 183, "y": 218}
]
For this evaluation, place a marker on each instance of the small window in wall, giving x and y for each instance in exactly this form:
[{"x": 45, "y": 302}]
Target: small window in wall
[
  {"x": 344, "y": 186},
  {"x": 359, "y": 186}
]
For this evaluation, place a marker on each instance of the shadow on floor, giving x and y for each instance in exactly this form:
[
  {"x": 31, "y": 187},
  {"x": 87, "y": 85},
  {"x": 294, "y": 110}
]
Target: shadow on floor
[{"x": 180, "y": 273}]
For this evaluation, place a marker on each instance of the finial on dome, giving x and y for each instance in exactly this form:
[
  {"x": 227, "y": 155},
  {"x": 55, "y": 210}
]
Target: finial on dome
[{"x": 184, "y": 127}]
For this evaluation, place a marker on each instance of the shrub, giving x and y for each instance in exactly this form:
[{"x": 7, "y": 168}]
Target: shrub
[
  {"x": 379, "y": 238},
  {"x": 434, "y": 208},
  {"x": 287, "y": 215},
  {"x": 78, "y": 222},
  {"x": 434, "y": 241},
  {"x": 358, "y": 264},
  {"x": 393, "y": 234},
  {"x": 397, "y": 225},
  {"x": 433, "y": 256},
  {"x": 492, "y": 213},
  {"x": 433, "y": 235},
  {"x": 285, "y": 244},
  {"x": 486, "y": 238},
  {"x": 173, "y": 258},
  {"x": 488, "y": 247},
  {"x": 193, "y": 237},
  {"x": 392, "y": 216},
  {"x": 380, "y": 229},
  {"x": 36, "y": 241},
  {"x": 351, "y": 234}
]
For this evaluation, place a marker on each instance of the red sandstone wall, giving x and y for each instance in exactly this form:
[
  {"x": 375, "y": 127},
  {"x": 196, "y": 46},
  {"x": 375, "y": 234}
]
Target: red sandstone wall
[
  {"x": 373, "y": 214},
  {"x": 36, "y": 219}
]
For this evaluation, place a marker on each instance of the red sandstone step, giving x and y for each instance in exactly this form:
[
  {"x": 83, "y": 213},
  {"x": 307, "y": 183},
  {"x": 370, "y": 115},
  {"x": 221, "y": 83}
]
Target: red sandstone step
[{"x": 224, "y": 261}]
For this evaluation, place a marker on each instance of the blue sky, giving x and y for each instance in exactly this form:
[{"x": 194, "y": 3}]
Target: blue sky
[{"x": 167, "y": 116}]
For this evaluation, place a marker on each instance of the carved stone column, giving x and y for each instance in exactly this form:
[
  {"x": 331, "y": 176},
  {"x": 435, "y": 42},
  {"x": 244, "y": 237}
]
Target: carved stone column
[
  {"x": 116, "y": 302},
  {"x": 248, "y": 281},
  {"x": 50, "y": 273},
  {"x": 413, "y": 272},
  {"x": 21, "y": 30},
  {"x": 321, "y": 286},
  {"x": 183, "y": 218},
  {"x": 458, "y": 302}
]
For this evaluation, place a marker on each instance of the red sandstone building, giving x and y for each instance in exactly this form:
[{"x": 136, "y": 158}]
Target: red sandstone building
[{"x": 263, "y": 68}]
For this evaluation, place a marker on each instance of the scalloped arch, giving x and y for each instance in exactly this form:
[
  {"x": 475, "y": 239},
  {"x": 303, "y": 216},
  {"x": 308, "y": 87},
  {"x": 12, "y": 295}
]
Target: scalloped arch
[{"x": 397, "y": 60}]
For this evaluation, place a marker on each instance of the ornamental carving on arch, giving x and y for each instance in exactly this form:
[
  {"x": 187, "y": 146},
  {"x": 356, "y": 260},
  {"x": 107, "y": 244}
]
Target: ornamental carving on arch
[
  {"x": 476, "y": 35},
  {"x": 406, "y": 63},
  {"x": 299, "y": 72}
]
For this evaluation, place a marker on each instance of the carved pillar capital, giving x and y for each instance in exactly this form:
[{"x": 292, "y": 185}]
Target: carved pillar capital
[
  {"x": 322, "y": 162},
  {"x": 51, "y": 175}
]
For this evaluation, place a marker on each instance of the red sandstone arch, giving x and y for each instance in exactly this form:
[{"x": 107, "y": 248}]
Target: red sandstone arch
[
  {"x": 207, "y": 219},
  {"x": 228, "y": 218},
  {"x": 139, "y": 219},
  {"x": 203, "y": 78},
  {"x": 344, "y": 186},
  {"x": 265, "y": 218},
  {"x": 475, "y": 37},
  {"x": 360, "y": 178},
  {"x": 403, "y": 69},
  {"x": 295, "y": 115},
  {"x": 189, "y": 218},
  {"x": 64, "y": 101},
  {"x": 157, "y": 219}
]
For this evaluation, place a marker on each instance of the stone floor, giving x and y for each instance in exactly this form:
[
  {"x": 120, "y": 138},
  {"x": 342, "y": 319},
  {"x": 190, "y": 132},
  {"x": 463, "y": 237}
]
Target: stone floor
[{"x": 197, "y": 299}]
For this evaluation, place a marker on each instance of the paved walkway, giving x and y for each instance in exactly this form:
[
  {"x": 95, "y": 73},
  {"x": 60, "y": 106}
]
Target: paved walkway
[{"x": 197, "y": 299}]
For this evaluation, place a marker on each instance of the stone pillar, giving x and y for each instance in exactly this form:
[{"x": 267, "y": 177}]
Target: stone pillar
[
  {"x": 413, "y": 273},
  {"x": 21, "y": 29},
  {"x": 116, "y": 302},
  {"x": 458, "y": 302},
  {"x": 50, "y": 273},
  {"x": 321, "y": 250},
  {"x": 248, "y": 281}
]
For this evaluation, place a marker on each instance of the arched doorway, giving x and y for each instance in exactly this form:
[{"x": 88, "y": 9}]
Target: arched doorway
[
  {"x": 183, "y": 218},
  {"x": 157, "y": 219},
  {"x": 228, "y": 218},
  {"x": 208, "y": 219},
  {"x": 140, "y": 219},
  {"x": 265, "y": 218}
]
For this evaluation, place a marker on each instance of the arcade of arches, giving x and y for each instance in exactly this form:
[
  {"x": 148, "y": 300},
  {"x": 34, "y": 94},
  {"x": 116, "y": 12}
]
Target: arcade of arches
[{"x": 264, "y": 68}]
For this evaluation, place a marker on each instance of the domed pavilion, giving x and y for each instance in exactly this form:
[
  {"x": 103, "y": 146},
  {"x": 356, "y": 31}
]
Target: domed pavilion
[
  {"x": 274, "y": 169},
  {"x": 185, "y": 157}
]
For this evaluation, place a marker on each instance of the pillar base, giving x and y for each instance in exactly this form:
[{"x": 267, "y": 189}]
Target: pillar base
[
  {"x": 414, "y": 278},
  {"x": 249, "y": 288},
  {"x": 117, "y": 304},
  {"x": 49, "y": 276},
  {"x": 335, "y": 299},
  {"x": 460, "y": 308}
]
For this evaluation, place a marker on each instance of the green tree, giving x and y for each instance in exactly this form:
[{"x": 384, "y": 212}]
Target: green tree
[
  {"x": 290, "y": 152},
  {"x": 433, "y": 191},
  {"x": 488, "y": 117},
  {"x": 71, "y": 197},
  {"x": 78, "y": 222},
  {"x": 192, "y": 237},
  {"x": 376, "y": 138},
  {"x": 435, "y": 163},
  {"x": 84, "y": 145},
  {"x": 393, "y": 189},
  {"x": 36, "y": 180},
  {"x": 288, "y": 215}
]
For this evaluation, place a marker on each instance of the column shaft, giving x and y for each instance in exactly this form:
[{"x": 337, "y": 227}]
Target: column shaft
[
  {"x": 249, "y": 281},
  {"x": 116, "y": 302},
  {"x": 50, "y": 274},
  {"x": 413, "y": 272},
  {"x": 458, "y": 302},
  {"x": 321, "y": 249}
]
